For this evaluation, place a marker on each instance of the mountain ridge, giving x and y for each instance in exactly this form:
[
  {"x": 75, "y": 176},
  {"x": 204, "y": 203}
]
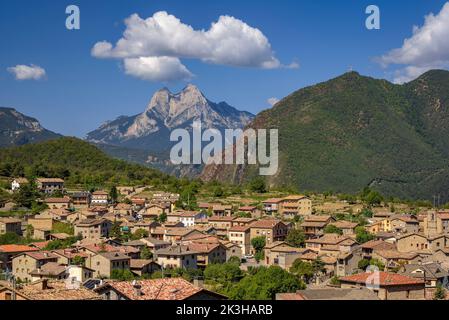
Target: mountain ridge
[
  {"x": 167, "y": 111},
  {"x": 352, "y": 131},
  {"x": 19, "y": 129}
]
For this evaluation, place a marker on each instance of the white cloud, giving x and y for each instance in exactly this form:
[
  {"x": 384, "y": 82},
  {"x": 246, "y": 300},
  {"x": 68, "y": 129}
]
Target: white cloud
[
  {"x": 272, "y": 101},
  {"x": 428, "y": 48},
  {"x": 163, "y": 69},
  {"x": 228, "y": 41},
  {"x": 24, "y": 72}
]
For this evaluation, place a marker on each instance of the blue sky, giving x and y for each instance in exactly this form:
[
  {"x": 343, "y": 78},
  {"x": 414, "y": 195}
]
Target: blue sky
[{"x": 80, "y": 91}]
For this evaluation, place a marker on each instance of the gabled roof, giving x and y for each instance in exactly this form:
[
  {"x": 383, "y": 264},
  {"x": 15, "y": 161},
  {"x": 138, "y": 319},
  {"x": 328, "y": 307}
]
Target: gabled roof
[
  {"x": 140, "y": 263},
  {"x": 58, "y": 200},
  {"x": 329, "y": 294},
  {"x": 41, "y": 255},
  {"x": 49, "y": 269},
  {"x": 265, "y": 223},
  {"x": 177, "y": 250},
  {"x": 330, "y": 238},
  {"x": 239, "y": 229},
  {"x": 157, "y": 289},
  {"x": 383, "y": 278},
  {"x": 113, "y": 256},
  {"x": 16, "y": 248},
  {"x": 273, "y": 201},
  {"x": 377, "y": 244}
]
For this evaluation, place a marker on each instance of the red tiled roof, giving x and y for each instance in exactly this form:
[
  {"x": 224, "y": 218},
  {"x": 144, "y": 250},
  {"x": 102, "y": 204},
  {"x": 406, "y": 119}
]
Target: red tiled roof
[
  {"x": 265, "y": 223},
  {"x": 385, "y": 279},
  {"x": 41, "y": 255},
  {"x": 58, "y": 200},
  {"x": 247, "y": 208},
  {"x": 273, "y": 200},
  {"x": 239, "y": 229},
  {"x": 203, "y": 247},
  {"x": 40, "y": 245},
  {"x": 13, "y": 248},
  {"x": 377, "y": 244},
  {"x": 157, "y": 289}
]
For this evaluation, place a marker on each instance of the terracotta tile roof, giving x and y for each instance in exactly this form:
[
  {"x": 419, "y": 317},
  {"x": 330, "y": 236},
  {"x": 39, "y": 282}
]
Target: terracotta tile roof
[
  {"x": 16, "y": 248},
  {"x": 330, "y": 238},
  {"x": 247, "y": 208},
  {"x": 175, "y": 251},
  {"x": 404, "y": 217},
  {"x": 385, "y": 279},
  {"x": 272, "y": 201},
  {"x": 41, "y": 245},
  {"x": 189, "y": 213},
  {"x": 239, "y": 229},
  {"x": 377, "y": 244},
  {"x": 60, "y": 236},
  {"x": 70, "y": 253},
  {"x": 41, "y": 255},
  {"x": 313, "y": 224},
  {"x": 157, "y": 289},
  {"x": 265, "y": 223},
  {"x": 178, "y": 231},
  {"x": 57, "y": 290},
  {"x": 309, "y": 256},
  {"x": 139, "y": 263},
  {"x": 49, "y": 269},
  {"x": 203, "y": 247},
  {"x": 321, "y": 218},
  {"x": 58, "y": 200},
  {"x": 97, "y": 248},
  {"x": 114, "y": 256}
]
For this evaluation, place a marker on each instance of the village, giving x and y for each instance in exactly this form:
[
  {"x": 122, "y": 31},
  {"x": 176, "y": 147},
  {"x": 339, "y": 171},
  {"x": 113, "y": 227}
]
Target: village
[{"x": 138, "y": 243}]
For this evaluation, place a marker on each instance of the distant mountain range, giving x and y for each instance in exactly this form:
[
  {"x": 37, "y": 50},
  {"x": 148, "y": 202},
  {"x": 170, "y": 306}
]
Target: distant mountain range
[
  {"x": 341, "y": 135},
  {"x": 166, "y": 111},
  {"x": 17, "y": 129},
  {"x": 355, "y": 131}
]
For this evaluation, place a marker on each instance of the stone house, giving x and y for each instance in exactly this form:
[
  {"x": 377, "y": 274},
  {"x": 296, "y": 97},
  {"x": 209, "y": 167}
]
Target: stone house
[
  {"x": 104, "y": 263},
  {"x": 10, "y": 225},
  {"x": 24, "y": 263},
  {"x": 177, "y": 257},
  {"x": 240, "y": 235},
  {"x": 388, "y": 286},
  {"x": 272, "y": 229}
]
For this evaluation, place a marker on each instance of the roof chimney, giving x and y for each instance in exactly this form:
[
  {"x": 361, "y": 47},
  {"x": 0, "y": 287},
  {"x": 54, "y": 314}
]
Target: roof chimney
[{"x": 137, "y": 289}]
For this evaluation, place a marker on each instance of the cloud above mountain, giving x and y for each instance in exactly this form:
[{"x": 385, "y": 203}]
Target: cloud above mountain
[
  {"x": 163, "y": 69},
  {"x": 24, "y": 72},
  {"x": 164, "y": 39},
  {"x": 427, "y": 48}
]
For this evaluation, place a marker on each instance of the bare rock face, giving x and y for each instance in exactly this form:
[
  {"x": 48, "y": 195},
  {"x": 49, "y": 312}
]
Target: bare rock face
[
  {"x": 165, "y": 112},
  {"x": 19, "y": 129}
]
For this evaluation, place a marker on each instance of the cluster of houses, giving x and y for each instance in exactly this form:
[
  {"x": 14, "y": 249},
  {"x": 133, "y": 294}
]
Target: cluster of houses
[{"x": 412, "y": 251}]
